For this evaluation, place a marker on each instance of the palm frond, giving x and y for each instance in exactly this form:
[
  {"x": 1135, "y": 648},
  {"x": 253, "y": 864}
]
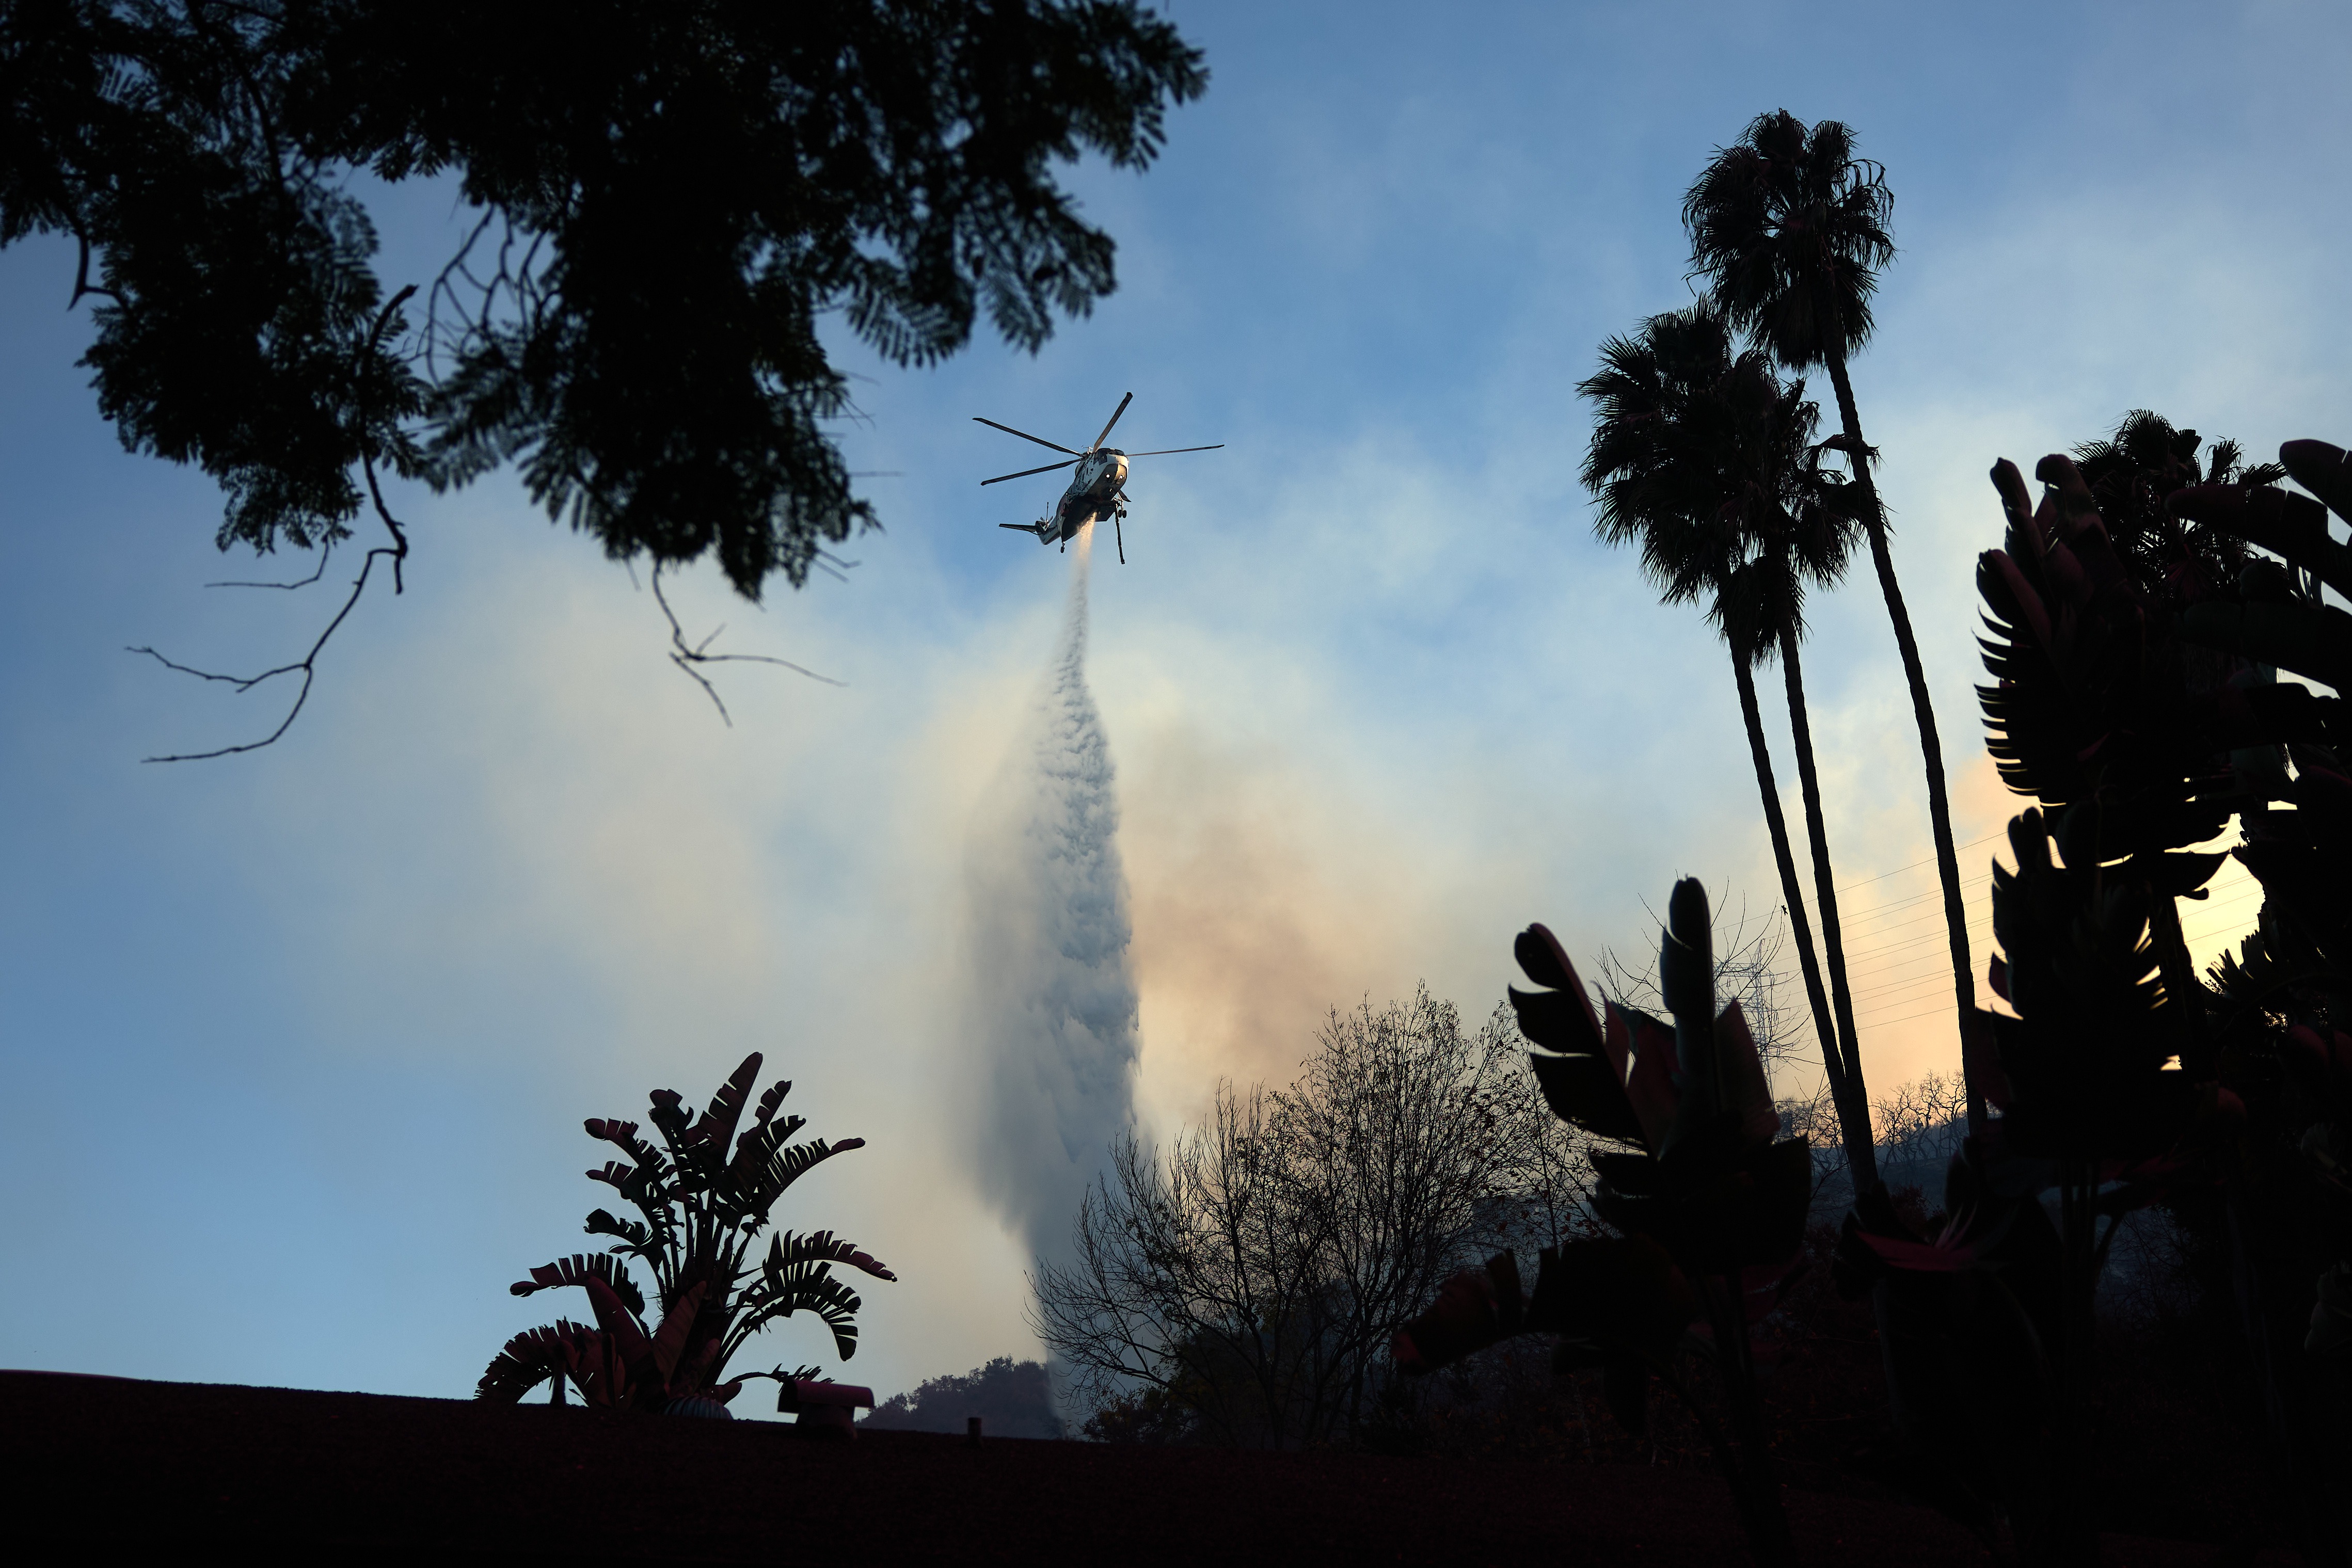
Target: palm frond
[{"x": 1790, "y": 227}]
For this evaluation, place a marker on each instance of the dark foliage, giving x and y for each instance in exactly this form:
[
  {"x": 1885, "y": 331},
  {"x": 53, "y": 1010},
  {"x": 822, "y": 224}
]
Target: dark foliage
[
  {"x": 1708, "y": 1208},
  {"x": 1789, "y": 228},
  {"x": 2143, "y": 710},
  {"x": 2133, "y": 473},
  {"x": 1013, "y": 1399},
  {"x": 702, "y": 1211},
  {"x": 670, "y": 197}
]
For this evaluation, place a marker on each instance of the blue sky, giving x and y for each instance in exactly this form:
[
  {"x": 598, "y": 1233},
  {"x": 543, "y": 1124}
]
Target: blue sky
[{"x": 296, "y": 1045}]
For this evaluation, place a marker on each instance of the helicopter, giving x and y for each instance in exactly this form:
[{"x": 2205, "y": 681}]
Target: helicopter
[{"x": 1094, "y": 491}]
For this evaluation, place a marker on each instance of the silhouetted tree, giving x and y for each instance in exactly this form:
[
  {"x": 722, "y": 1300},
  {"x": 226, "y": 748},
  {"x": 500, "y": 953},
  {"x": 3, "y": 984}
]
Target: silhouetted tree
[
  {"x": 1789, "y": 229},
  {"x": 2132, "y": 474},
  {"x": 667, "y": 198},
  {"x": 1702, "y": 458},
  {"x": 1245, "y": 1283}
]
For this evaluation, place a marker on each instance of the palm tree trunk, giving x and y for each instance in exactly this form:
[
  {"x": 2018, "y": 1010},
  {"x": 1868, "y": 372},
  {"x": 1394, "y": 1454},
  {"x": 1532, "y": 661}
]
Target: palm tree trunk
[
  {"x": 1853, "y": 1111},
  {"x": 1931, "y": 749},
  {"x": 1792, "y": 893}
]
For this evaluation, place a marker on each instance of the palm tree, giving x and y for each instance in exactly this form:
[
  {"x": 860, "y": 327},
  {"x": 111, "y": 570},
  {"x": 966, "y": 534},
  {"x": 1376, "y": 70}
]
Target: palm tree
[
  {"x": 1789, "y": 229},
  {"x": 1703, "y": 459},
  {"x": 2133, "y": 473}
]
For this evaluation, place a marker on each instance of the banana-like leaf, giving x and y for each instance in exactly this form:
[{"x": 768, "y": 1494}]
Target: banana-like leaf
[
  {"x": 2324, "y": 470},
  {"x": 787, "y": 1166},
  {"x": 1582, "y": 1080},
  {"x": 2292, "y": 526},
  {"x": 757, "y": 1145},
  {"x": 669, "y": 1340},
  {"x": 1746, "y": 1090},
  {"x": 1686, "y": 977},
  {"x": 785, "y": 1249},
  {"x": 624, "y": 1135},
  {"x": 669, "y": 1114},
  {"x": 716, "y": 1130},
  {"x": 529, "y": 1359},
  {"x": 2310, "y": 639},
  {"x": 800, "y": 1279},
  {"x": 771, "y": 1099},
  {"x": 830, "y": 1299},
  {"x": 620, "y": 1324},
  {"x": 1621, "y": 1293},
  {"x": 2033, "y": 729},
  {"x": 1649, "y": 1045},
  {"x": 578, "y": 1270},
  {"x": 640, "y": 1238}
]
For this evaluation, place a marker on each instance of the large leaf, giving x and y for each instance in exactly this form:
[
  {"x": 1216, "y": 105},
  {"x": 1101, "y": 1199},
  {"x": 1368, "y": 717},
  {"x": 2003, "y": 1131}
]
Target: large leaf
[
  {"x": 1473, "y": 1310},
  {"x": 578, "y": 1270},
  {"x": 529, "y": 1359},
  {"x": 2289, "y": 525},
  {"x": 2312, "y": 639},
  {"x": 785, "y": 1249},
  {"x": 797, "y": 1276},
  {"x": 669, "y": 1340},
  {"x": 2323, "y": 469},
  {"x": 1619, "y": 1294},
  {"x": 620, "y": 1324},
  {"x": 1584, "y": 1091},
  {"x": 1746, "y": 1089},
  {"x": 1686, "y": 977},
  {"x": 757, "y": 1145},
  {"x": 785, "y": 1167},
  {"x": 716, "y": 1130},
  {"x": 1649, "y": 1045},
  {"x": 1582, "y": 1079},
  {"x": 640, "y": 1238}
]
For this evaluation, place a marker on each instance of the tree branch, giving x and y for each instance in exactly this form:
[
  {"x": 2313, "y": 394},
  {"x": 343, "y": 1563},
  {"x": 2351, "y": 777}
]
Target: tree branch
[
  {"x": 308, "y": 665},
  {"x": 688, "y": 657},
  {"x": 324, "y": 553}
]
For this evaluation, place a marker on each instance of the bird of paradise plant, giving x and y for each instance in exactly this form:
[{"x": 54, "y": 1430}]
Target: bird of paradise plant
[
  {"x": 704, "y": 1209},
  {"x": 2142, "y": 710},
  {"x": 1708, "y": 1208}
]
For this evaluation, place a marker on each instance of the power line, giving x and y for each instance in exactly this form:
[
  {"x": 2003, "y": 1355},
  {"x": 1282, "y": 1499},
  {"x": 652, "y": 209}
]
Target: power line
[{"x": 1914, "y": 865}]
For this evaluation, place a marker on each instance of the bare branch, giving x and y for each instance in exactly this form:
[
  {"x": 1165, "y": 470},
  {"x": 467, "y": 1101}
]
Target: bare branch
[
  {"x": 308, "y": 665},
  {"x": 82, "y": 285},
  {"x": 324, "y": 553},
  {"x": 686, "y": 656}
]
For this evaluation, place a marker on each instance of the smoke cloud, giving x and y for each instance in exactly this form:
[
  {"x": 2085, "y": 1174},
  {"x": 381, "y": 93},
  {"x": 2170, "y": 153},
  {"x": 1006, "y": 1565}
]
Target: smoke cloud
[{"x": 1052, "y": 1014}]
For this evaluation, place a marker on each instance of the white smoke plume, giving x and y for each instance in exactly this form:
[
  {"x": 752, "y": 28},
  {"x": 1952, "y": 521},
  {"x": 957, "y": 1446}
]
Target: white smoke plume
[{"x": 1051, "y": 1012}]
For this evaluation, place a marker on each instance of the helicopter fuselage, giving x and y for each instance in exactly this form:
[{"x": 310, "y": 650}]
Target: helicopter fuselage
[{"x": 1094, "y": 494}]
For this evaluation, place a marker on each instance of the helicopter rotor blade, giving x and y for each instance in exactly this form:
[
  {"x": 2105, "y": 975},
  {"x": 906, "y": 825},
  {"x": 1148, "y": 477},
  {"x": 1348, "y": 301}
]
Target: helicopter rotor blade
[
  {"x": 1026, "y": 437},
  {"x": 1114, "y": 420},
  {"x": 1049, "y": 467},
  {"x": 1166, "y": 451}
]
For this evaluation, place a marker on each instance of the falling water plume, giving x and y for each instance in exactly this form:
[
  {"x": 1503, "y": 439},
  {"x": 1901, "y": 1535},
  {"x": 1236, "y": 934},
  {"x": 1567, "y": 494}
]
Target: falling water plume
[{"x": 1052, "y": 1001}]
